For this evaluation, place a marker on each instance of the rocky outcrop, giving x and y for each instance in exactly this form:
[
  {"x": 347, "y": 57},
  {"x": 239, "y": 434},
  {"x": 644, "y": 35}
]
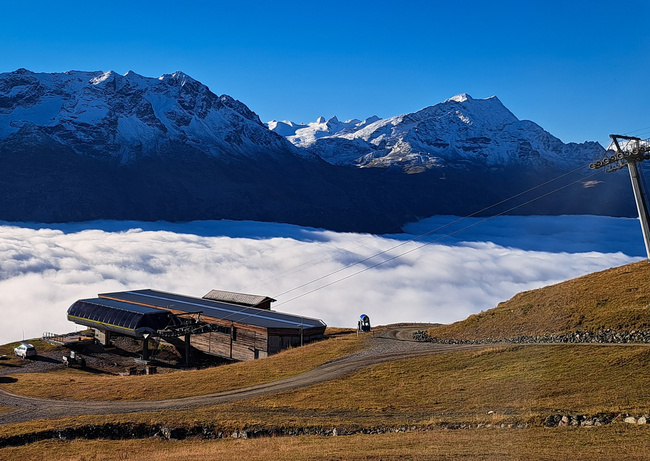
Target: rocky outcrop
[
  {"x": 600, "y": 337},
  {"x": 126, "y": 431}
]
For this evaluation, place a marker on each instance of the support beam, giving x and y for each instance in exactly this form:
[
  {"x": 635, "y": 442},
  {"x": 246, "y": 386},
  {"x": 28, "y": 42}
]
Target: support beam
[
  {"x": 145, "y": 348},
  {"x": 188, "y": 358},
  {"x": 634, "y": 152},
  {"x": 641, "y": 205}
]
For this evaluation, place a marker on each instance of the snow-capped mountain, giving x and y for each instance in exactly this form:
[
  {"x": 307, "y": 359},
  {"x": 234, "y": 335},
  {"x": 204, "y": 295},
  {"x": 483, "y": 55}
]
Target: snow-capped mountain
[
  {"x": 459, "y": 131},
  {"x": 129, "y": 116},
  {"x": 307, "y": 135},
  {"x": 80, "y": 146}
]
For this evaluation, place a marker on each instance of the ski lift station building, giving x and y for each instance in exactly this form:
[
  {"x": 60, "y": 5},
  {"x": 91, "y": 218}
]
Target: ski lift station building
[{"x": 241, "y": 328}]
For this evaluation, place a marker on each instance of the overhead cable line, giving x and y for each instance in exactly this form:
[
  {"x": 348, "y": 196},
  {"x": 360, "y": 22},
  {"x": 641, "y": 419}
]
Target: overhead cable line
[
  {"x": 418, "y": 237},
  {"x": 311, "y": 262},
  {"x": 434, "y": 241}
]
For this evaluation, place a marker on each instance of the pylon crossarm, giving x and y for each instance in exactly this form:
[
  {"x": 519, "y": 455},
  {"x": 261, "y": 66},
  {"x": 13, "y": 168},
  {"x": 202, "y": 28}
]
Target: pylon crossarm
[{"x": 633, "y": 150}]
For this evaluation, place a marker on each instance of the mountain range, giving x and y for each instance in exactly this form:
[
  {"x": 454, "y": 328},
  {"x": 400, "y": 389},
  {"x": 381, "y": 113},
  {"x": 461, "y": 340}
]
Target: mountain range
[
  {"x": 459, "y": 132},
  {"x": 78, "y": 146}
]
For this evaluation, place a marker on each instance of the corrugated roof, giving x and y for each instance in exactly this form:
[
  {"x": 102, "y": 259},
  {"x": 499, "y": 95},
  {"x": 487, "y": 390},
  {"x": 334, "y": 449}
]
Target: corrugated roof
[
  {"x": 117, "y": 316},
  {"x": 215, "y": 309},
  {"x": 237, "y": 298}
]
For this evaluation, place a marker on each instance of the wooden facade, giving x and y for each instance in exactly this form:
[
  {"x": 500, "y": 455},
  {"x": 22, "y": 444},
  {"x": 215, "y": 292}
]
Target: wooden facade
[{"x": 244, "y": 333}]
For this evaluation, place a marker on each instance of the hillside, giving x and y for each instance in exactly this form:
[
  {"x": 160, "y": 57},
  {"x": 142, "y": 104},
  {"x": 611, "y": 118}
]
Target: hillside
[
  {"x": 81, "y": 146},
  {"x": 508, "y": 400},
  {"x": 457, "y": 133},
  {"x": 616, "y": 299}
]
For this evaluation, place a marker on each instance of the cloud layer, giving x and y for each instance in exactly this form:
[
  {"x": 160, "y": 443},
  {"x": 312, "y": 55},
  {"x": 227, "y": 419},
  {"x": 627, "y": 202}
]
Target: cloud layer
[{"x": 44, "y": 270}]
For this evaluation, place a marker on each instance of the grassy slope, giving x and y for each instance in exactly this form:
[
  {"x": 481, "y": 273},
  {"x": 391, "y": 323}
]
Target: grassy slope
[
  {"x": 617, "y": 299},
  {"x": 630, "y": 443},
  {"x": 79, "y": 385},
  {"x": 516, "y": 383}
]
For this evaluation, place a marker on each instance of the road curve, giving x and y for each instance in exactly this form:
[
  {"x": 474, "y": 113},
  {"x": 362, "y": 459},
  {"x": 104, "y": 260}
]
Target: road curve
[{"x": 388, "y": 345}]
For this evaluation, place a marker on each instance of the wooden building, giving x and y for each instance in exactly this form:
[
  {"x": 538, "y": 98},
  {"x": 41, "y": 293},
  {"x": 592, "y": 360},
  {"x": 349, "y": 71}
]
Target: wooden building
[{"x": 233, "y": 331}]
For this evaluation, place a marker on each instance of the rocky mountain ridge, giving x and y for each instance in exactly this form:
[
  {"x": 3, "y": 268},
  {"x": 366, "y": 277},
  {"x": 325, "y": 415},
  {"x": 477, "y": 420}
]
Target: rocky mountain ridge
[
  {"x": 78, "y": 146},
  {"x": 127, "y": 117},
  {"x": 459, "y": 131}
]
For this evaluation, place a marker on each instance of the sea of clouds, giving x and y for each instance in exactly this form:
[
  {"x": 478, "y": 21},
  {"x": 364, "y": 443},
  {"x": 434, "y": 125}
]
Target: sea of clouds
[{"x": 458, "y": 268}]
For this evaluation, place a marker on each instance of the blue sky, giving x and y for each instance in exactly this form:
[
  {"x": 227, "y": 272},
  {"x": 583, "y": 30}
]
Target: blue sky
[{"x": 579, "y": 68}]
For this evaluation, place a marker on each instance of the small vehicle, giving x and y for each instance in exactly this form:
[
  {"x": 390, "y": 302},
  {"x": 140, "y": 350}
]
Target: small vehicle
[
  {"x": 364, "y": 323},
  {"x": 25, "y": 350},
  {"x": 74, "y": 359}
]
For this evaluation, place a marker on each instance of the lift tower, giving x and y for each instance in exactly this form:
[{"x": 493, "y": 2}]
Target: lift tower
[{"x": 629, "y": 151}]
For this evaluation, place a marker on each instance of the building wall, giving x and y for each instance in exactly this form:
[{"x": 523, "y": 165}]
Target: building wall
[
  {"x": 246, "y": 343},
  {"x": 285, "y": 338},
  {"x": 249, "y": 342}
]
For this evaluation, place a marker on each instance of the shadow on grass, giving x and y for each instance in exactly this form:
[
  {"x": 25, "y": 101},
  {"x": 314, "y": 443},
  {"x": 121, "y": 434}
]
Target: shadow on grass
[{"x": 42, "y": 358}]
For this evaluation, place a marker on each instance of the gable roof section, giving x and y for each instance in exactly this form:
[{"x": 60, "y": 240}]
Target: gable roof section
[
  {"x": 215, "y": 309},
  {"x": 237, "y": 298}
]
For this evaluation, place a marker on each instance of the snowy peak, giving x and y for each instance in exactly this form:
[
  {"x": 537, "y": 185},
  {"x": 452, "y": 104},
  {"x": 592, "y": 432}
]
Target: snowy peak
[
  {"x": 459, "y": 131},
  {"x": 106, "y": 76},
  {"x": 124, "y": 117},
  {"x": 305, "y": 135},
  {"x": 460, "y": 98}
]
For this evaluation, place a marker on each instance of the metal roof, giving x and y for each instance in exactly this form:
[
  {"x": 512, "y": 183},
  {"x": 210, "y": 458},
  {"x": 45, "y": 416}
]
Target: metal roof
[
  {"x": 117, "y": 316},
  {"x": 237, "y": 298},
  {"x": 219, "y": 310}
]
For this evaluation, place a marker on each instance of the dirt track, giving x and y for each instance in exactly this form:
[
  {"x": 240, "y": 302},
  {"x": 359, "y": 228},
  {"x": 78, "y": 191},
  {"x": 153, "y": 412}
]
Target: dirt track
[{"x": 388, "y": 345}]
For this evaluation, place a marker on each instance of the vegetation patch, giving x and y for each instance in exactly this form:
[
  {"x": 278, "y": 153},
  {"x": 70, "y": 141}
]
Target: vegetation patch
[
  {"x": 76, "y": 384},
  {"x": 500, "y": 385},
  {"x": 515, "y": 382},
  {"x": 602, "y": 443},
  {"x": 616, "y": 299}
]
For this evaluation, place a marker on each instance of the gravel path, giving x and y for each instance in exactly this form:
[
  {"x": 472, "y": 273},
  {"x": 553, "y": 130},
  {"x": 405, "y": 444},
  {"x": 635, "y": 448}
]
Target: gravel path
[{"x": 386, "y": 345}]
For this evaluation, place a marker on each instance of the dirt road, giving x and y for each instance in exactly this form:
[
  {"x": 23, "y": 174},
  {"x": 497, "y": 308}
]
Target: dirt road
[{"x": 387, "y": 345}]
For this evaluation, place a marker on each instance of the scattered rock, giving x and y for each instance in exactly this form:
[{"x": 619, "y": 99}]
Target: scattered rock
[{"x": 600, "y": 337}]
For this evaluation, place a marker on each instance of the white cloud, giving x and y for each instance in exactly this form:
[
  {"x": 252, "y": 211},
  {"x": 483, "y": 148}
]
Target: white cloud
[{"x": 43, "y": 271}]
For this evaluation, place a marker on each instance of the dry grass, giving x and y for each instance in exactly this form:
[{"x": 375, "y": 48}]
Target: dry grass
[
  {"x": 12, "y": 360},
  {"x": 603, "y": 443},
  {"x": 617, "y": 298},
  {"x": 517, "y": 384},
  {"x": 80, "y": 385},
  {"x": 513, "y": 382}
]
